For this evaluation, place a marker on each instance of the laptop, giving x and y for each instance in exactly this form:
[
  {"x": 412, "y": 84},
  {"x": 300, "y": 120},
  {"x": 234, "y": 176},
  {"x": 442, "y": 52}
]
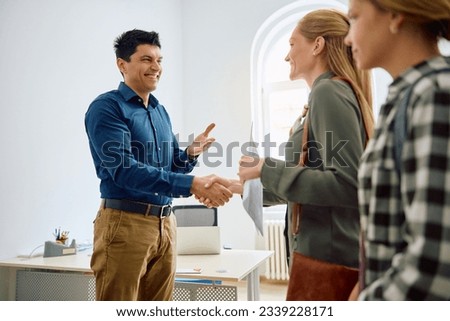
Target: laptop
[{"x": 198, "y": 240}]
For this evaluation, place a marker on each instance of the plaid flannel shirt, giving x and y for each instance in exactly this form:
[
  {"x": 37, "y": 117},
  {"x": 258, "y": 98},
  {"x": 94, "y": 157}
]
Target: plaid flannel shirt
[{"x": 406, "y": 221}]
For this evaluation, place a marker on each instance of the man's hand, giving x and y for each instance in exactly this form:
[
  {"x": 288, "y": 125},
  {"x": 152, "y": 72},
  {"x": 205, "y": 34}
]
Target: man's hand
[
  {"x": 234, "y": 185},
  {"x": 250, "y": 168},
  {"x": 217, "y": 195},
  {"x": 201, "y": 142}
]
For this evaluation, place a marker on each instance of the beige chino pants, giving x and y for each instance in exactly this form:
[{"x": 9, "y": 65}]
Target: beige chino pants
[{"x": 134, "y": 256}]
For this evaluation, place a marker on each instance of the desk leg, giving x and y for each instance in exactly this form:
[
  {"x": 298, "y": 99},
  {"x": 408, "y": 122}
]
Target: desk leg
[
  {"x": 8, "y": 283},
  {"x": 253, "y": 285}
]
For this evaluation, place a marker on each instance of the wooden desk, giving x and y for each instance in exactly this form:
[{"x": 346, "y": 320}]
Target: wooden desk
[{"x": 230, "y": 265}]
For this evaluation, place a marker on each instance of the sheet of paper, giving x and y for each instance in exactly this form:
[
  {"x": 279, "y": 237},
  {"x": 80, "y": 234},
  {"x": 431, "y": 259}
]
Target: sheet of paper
[
  {"x": 189, "y": 271},
  {"x": 252, "y": 198},
  {"x": 253, "y": 202}
]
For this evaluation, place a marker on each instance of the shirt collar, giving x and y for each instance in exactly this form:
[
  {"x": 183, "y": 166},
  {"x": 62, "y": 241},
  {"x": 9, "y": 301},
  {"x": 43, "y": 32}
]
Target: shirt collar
[
  {"x": 326, "y": 75},
  {"x": 129, "y": 95}
]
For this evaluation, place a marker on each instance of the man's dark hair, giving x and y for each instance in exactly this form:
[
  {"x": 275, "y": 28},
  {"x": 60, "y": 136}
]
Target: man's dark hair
[{"x": 125, "y": 45}]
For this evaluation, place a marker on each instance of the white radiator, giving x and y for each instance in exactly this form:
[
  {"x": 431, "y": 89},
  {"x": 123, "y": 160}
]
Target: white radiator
[{"x": 276, "y": 266}]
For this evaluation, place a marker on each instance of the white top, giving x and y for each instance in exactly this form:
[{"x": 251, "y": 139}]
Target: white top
[{"x": 232, "y": 265}]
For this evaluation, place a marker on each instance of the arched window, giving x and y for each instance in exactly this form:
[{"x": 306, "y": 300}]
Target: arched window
[{"x": 276, "y": 100}]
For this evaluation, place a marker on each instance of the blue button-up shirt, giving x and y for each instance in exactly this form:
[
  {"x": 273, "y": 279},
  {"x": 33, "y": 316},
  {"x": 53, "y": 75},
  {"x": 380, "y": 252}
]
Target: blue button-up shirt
[{"x": 135, "y": 152}]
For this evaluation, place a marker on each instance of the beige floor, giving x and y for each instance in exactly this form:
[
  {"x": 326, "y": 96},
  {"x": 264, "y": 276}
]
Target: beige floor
[{"x": 269, "y": 290}]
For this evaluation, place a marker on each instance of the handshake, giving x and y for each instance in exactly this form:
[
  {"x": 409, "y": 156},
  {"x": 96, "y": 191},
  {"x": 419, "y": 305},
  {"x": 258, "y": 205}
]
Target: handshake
[{"x": 213, "y": 190}]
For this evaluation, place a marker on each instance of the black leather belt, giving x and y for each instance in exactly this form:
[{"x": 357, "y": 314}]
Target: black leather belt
[{"x": 145, "y": 209}]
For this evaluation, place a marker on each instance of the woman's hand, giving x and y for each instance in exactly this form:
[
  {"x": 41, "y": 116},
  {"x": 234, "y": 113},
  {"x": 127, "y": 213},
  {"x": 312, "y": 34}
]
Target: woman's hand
[{"x": 250, "y": 168}]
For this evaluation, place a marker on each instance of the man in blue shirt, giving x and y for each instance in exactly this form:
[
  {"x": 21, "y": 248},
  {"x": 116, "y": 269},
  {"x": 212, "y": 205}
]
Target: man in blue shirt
[{"x": 141, "y": 168}]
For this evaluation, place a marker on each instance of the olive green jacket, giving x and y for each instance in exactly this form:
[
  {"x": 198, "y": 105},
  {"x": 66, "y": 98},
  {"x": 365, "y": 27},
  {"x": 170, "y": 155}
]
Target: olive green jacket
[{"x": 327, "y": 186}]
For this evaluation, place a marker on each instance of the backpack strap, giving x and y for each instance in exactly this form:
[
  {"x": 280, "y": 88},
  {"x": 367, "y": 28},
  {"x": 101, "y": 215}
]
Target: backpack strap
[
  {"x": 296, "y": 207},
  {"x": 400, "y": 126}
]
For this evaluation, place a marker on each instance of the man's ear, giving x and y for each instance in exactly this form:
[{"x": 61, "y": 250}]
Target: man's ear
[
  {"x": 121, "y": 65},
  {"x": 319, "y": 45}
]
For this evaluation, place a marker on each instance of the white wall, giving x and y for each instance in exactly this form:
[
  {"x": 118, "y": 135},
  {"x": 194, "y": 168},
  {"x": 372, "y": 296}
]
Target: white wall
[{"x": 57, "y": 55}]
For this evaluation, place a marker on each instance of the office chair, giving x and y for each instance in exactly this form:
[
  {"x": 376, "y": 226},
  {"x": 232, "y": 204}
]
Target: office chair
[
  {"x": 195, "y": 215},
  {"x": 193, "y": 220}
]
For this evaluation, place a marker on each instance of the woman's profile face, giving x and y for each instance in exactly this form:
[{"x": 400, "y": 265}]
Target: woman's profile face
[{"x": 300, "y": 55}]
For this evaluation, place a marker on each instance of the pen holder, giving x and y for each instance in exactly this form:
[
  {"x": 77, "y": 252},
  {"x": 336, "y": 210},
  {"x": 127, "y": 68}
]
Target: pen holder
[{"x": 57, "y": 249}]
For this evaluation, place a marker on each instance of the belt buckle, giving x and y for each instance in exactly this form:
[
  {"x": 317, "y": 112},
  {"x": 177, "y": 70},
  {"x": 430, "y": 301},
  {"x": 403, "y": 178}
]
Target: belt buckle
[{"x": 161, "y": 214}]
